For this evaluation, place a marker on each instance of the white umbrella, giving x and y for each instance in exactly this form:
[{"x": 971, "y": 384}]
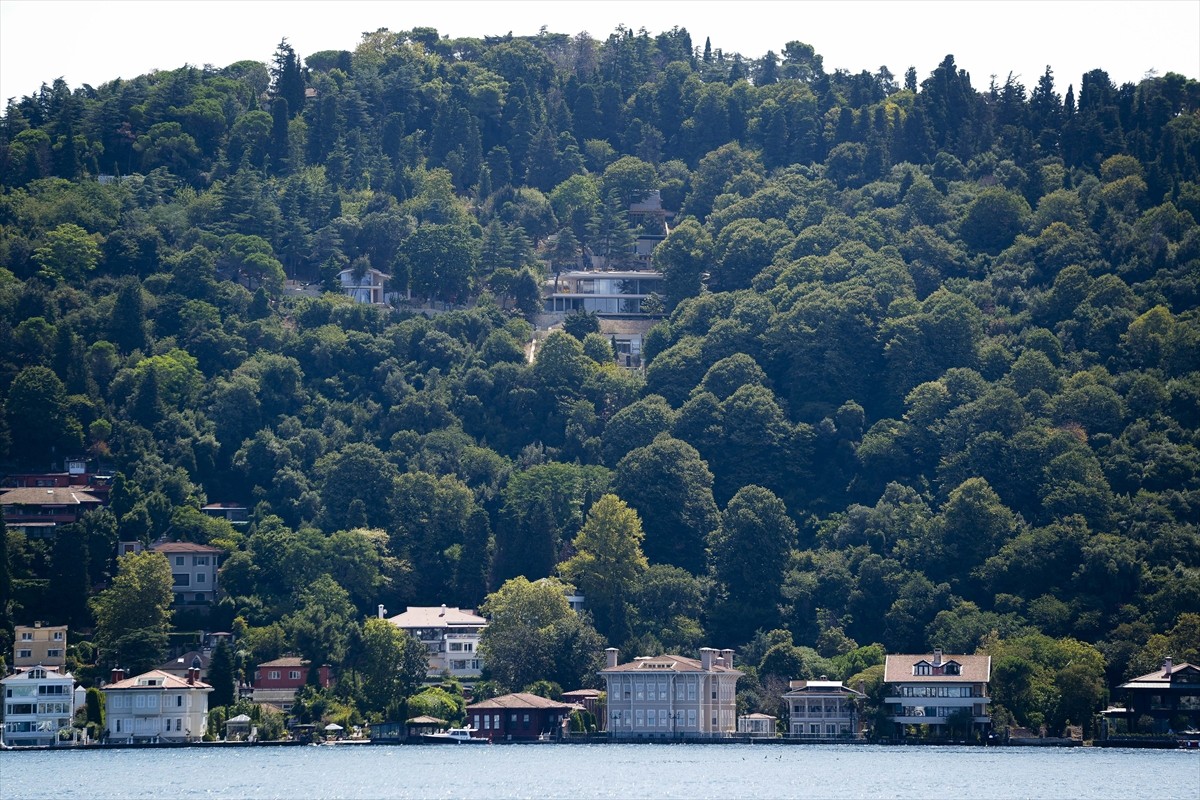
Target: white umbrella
[{"x": 333, "y": 726}]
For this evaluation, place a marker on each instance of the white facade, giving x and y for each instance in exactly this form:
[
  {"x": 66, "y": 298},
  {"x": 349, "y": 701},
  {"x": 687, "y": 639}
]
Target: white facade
[
  {"x": 367, "y": 288},
  {"x": 156, "y": 707},
  {"x": 822, "y": 710},
  {"x": 450, "y": 634},
  {"x": 605, "y": 293},
  {"x": 39, "y": 701},
  {"x": 671, "y": 696},
  {"x": 932, "y": 690},
  {"x": 193, "y": 572}
]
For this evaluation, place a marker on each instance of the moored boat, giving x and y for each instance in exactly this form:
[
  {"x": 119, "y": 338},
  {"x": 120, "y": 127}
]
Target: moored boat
[{"x": 453, "y": 736}]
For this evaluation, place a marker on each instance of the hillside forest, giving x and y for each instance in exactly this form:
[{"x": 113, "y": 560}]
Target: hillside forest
[{"x": 928, "y": 373}]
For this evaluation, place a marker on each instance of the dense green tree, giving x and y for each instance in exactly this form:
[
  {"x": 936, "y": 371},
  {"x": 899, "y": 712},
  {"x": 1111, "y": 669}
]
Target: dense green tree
[
  {"x": 607, "y": 563},
  {"x": 676, "y": 531},
  {"x": 133, "y": 614},
  {"x": 748, "y": 554}
]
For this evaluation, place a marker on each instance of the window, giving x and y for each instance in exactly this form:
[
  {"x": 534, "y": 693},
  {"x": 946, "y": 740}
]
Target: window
[
  {"x": 640, "y": 691},
  {"x": 651, "y": 717},
  {"x": 294, "y": 674},
  {"x": 179, "y": 701},
  {"x": 273, "y": 674},
  {"x": 182, "y": 579},
  {"x": 199, "y": 561},
  {"x": 179, "y": 561},
  {"x": 487, "y": 722},
  {"x": 691, "y": 718},
  {"x": 55, "y": 653},
  {"x": 118, "y": 726},
  {"x": 512, "y": 718},
  {"x": 640, "y": 718},
  {"x": 26, "y": 636},
  {"x": 526, "y": 720},
  {"x": 24, "y": 654},
  {"x": 58, "y": 636},
  {"x": 922, "y": 669},
  {"x": 201, "y": 577}
]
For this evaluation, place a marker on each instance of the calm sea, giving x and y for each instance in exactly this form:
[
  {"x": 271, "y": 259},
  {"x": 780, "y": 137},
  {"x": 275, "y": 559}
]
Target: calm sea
[{"x": 697, "y": 772}]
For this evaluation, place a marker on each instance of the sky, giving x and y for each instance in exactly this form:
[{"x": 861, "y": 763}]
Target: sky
[{"x": 95, "y": 41}]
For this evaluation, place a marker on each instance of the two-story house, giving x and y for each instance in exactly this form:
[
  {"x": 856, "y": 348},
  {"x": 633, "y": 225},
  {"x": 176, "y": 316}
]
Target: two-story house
[
  {"x": 450, "y": 634},
  {"x": 193, "y": 572},
  {"x": 276, "y": 682},
  {"x": 604, "y": 293},
  {"x": 39, "y": 645},
  {"x": 39, "y": 701},
  {"x": 36, "y": 511},
  {"x": 671, "y": 696},
  {"x": 822, "y": 709},
  {"x": 156, "y": 707},
  {"x": 1167, "y": 699},
  {"x": 367, "y": 287},
  {"x": 940, "y": 691}
]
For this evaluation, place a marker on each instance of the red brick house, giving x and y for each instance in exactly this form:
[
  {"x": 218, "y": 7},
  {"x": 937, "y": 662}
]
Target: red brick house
[
  {"x": 518, "y": 717},
  {"x": 277, "y": 681}
]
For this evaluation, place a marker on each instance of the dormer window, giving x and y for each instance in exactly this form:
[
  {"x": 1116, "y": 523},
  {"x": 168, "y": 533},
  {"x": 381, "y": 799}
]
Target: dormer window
[
  {"x": 924, "y": 668},
  {"x": 37, "y": 674},
  {"x": 952, "y": 668}
]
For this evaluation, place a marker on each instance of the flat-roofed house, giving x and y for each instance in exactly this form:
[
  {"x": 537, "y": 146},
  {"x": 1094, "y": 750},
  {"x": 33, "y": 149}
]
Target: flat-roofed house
[
  {"x": 39, "y": 645},
  {"x": 39, "y": 701}
]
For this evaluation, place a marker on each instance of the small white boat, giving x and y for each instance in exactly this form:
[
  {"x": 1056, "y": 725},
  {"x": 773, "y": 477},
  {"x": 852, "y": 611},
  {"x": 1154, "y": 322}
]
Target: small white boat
[{"x": 453, "y": 736}]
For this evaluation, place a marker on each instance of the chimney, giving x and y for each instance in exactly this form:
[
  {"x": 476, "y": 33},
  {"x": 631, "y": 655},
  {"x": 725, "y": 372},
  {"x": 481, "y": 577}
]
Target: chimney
[
  {"x": 443, "y": 610},
  {"x": 706, "y": 658},
  {"x": 118, "y": 675},
  {"x": 192, "y": 675},
  {"x": 727, "y": 655},
  {"x": 1167, "y": 667},
  {"x": 937, "y": 656},
  {"x": 381, "y": 611},
  {"x": 612, "y": 654}
]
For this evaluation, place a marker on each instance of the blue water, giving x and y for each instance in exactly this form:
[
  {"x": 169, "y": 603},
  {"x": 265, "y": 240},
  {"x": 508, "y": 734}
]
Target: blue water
[{"x": 696, "y": 772}]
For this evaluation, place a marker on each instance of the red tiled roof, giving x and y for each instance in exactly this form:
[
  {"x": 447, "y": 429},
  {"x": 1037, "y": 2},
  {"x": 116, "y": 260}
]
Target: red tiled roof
[
  {"x": 286, "y": 661},
  {"x": 165, "y": 680},
  {"x": 972, "y": 669},
  {"x": 184, "y": 547},
  {"x": 666, "y": 663},
  {"x": 519, "y": 700}
]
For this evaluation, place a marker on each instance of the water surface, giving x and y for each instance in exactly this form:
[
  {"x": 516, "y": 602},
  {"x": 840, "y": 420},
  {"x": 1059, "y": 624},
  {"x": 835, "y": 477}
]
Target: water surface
[{"x": 692, "y": 771}]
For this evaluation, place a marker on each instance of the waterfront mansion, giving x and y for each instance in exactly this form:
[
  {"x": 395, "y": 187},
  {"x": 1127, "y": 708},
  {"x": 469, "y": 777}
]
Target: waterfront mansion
[{"x": 669, "y": 696}]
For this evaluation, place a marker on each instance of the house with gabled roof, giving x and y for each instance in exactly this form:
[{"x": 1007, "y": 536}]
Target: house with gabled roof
[
  {"x": 1167, "y": 699},
  {"x": 671, "y": 696},
  {"x": 938, "y": 690},
  {"x": 519, "y": 717},
  {"x": 156, "y": 706}
]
